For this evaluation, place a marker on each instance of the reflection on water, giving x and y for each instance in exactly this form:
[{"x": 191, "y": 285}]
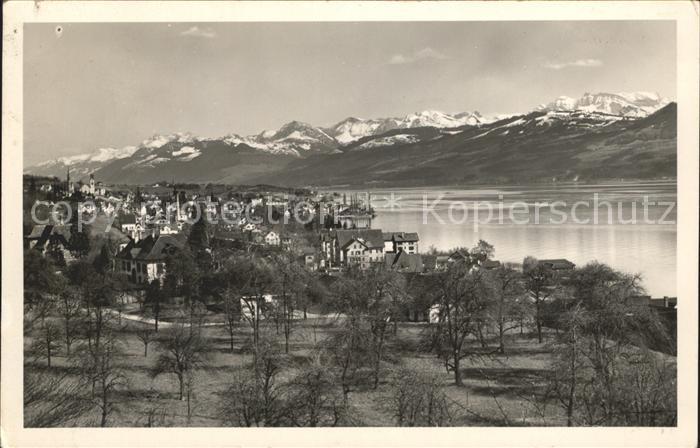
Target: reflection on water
[{"x": 649, "y": 249}]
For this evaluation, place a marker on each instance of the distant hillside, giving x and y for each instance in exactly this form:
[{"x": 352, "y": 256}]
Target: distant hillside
[
  {"x": 566, "y": 140},
  {"x": 536, "y": 147}
]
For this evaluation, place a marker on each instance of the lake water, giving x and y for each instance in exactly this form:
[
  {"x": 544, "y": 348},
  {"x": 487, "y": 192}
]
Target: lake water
[{"x": 506, "y": 217}]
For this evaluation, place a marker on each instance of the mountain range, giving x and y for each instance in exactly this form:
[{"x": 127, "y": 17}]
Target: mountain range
[{"x": 597, "y": 136}]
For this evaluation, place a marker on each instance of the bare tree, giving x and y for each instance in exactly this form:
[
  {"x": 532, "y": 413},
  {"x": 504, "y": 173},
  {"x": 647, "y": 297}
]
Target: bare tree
[
  {"x": 506, "y": 306},
  {"x": 232, "y": 314},
  {"x": 190, "y": 382},
  {"x": 70, "y": 312},
  {"x": 254, "y": 397},
  {"x": 155, "y": 413},
  {"x": 599, "y": 375},
  {"x": 253, "y": 279},
  {"x": 292, "y": 285},
  {"x": 98, "y": 294},
  {"x": 180, "y": 351},
  {"x": 347, "y": 351},
  {"x": 153, "y": 298},
  {"x": 461, "y": 297},
  {"x": 541, "y": 283},
  {"x": 566, "y": 373},
  {"x": 198, "y": 315},
  {"x": 252, "y": 312},
  {"x": 99, "y": 365},
  {"x": 459, "y": 294},
  {"x": 241, "y": 403},
  {"x": 46, "y": 342},
  {"x": 418, "y": 399},
  {"x": 372, "y": 298},
  {"x": 146, "y": 336},
  {"x": 646, "y": 392},
  {"x": 314, "y": 397}
]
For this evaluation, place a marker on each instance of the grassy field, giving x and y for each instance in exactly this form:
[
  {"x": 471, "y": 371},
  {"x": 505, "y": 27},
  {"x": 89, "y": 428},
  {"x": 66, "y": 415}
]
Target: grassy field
[{"x": 498, "y": 389}]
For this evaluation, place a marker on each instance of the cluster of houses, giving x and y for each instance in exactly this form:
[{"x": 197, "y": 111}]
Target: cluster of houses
[
  {"x": 89, "y": 188},
  {"x": 155, "y": 224},
  {"x": 365, "y": 248},
  {"x": 154, "y": 227}
]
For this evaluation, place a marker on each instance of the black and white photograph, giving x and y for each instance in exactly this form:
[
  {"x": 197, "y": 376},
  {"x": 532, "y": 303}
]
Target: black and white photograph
[{"x": 332, "y": 223}]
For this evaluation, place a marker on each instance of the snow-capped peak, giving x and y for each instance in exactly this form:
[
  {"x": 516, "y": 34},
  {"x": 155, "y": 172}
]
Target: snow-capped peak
[
  {"x": 99, "y": 155},
  {"x": 352, "y": 128},
  {"x": 159, "y": 140},
  {"x": 297, "y": 138},
  {"x": 431, "y": 118},
  {"x": 561, "y": 103},
  {"x": 624, "y": 104}
]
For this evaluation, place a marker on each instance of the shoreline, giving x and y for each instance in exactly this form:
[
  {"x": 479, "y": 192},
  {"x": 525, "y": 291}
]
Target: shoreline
[{"x": 602, "y": 183}]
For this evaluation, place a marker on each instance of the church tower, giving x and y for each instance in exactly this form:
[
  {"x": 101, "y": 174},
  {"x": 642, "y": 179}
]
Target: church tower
[{"x": 92, "y": 184}]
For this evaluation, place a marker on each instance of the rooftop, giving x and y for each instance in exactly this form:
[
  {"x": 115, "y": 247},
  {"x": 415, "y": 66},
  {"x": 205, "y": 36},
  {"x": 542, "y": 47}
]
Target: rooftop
[
  {"x": 372, "y": 237},
  {"x": 557, "y": 263},
  {"x": 403, "y": 261},
  {"x": 152, "y": 249},
  {"x": 400, "y": 237}
]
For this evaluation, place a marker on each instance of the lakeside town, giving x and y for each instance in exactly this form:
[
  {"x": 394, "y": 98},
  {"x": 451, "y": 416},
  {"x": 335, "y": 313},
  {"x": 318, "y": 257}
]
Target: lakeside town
[{"x": 177, "y": 304}]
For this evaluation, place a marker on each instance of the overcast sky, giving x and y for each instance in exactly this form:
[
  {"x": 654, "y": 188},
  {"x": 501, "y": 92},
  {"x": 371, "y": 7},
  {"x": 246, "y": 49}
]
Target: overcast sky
[{"x": 112, "y": 85}]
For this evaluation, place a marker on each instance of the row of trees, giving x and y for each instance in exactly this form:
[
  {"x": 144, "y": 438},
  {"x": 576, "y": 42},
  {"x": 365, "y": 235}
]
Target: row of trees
[
  {"x": 603, "y": 372},
  {"x": 317, "y": 394},
  {"x": 72, "y": 312}
]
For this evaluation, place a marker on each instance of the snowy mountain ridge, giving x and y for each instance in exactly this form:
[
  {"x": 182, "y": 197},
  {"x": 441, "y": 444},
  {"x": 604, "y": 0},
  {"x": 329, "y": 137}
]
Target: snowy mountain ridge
[
  {"x": 625, "y": 104},
  {"x": 298, "y": 139}
]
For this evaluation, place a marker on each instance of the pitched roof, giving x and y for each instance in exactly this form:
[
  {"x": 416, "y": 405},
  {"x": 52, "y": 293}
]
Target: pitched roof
[
  {"x": 372, "y": 237},
  {"x": 152, "y": 249},
  {"x": 401, "y": 237},
  {"x": 459, "y": 255},
  {"x": 557, "y": 263},
  {"x": 404, "y": 262},
  {"x": 352, "y": 240},
  {"x": 43, "y": 233}
]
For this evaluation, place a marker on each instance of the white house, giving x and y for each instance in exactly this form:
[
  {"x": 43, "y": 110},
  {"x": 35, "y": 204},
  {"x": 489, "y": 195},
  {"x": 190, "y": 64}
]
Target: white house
[
  {"x": 128, "y": 224},
  {"x": 144, "y": 261},
  {"x": 361, "y": 252},
  {"x": 272, "y": 239},
  {"x": 358, "y": 246},
  {"x": 401, "y": 241}
]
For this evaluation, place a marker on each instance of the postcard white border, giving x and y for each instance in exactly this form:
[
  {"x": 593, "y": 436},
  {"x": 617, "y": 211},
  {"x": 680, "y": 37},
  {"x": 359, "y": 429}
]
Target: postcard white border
[{"x": 18, "y": 12}]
